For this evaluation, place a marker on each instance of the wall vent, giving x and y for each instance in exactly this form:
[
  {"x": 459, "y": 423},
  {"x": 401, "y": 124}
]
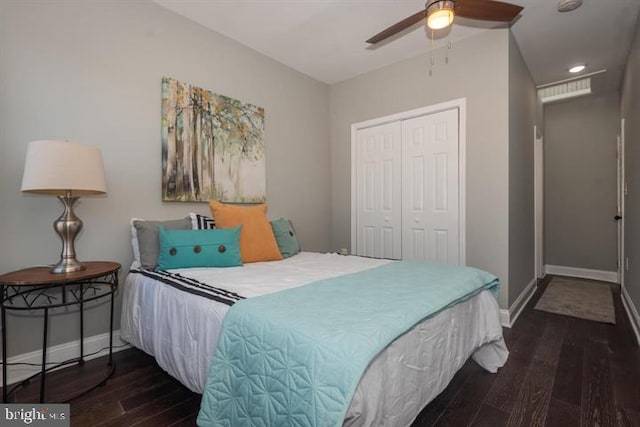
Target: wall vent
[{"x": 558, "y": 92}]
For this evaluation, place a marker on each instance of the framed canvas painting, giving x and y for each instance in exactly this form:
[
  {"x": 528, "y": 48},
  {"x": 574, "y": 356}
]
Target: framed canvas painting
[{"x": 212, "y": 146}]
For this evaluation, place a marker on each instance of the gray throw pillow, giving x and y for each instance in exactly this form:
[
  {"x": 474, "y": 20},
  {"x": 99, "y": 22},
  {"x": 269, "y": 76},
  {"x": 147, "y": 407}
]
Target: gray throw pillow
[
  {"x": 285, "y": 237},
  {"x": 148, "y": 241}
]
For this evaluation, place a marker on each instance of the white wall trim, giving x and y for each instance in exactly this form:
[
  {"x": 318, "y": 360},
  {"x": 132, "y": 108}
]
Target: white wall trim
[
  {"x": 462, "y": 179},
  {"x": 459, "y": 104},
  {"x": 538, "y": 203},
  {"x": 583, "y": 273},
  {"x": 354, "y": 188},
  {"x": 60, "y": 353},
  {"x": 504, "y": 318},
  {"x": 508, "y": 317},
  {"x": 622, "y": 184},
  {"x": 632, "y": 313}
]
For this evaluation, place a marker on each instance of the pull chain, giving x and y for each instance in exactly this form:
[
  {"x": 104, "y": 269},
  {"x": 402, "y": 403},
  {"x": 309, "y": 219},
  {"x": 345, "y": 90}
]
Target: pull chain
[
  {"x": 446, "y": 58},
  {"x": 431, "y": 60}
]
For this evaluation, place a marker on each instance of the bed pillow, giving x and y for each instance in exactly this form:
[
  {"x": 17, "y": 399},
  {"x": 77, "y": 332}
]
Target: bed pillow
[
  {"x": 144, "y": 238},
  {"x": 257, "y": 242},
  {"x": 201, "y": 222},
  {"x": 199, "y": 248},
  {"x": 285, "y": 237}
]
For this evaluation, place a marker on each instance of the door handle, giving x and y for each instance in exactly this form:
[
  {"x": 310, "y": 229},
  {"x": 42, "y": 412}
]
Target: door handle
[{"x": 617, "y": 217}]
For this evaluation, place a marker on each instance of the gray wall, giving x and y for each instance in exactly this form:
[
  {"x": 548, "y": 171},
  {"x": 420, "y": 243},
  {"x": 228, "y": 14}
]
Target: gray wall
[
  {"x": 580, "y": 182},
  {"x": 478, "y": 70},
  {"x": 523, "y": 107},
  {"x": 630, "y": 110},
  {"x": 90, "y": 72}
]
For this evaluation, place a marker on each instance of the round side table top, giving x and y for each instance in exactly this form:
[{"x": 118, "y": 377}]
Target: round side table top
[{"x": 43, "y": 276}]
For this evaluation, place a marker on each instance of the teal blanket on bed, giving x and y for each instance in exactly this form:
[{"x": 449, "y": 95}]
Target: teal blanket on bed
[{"x": 294, "y": 358}]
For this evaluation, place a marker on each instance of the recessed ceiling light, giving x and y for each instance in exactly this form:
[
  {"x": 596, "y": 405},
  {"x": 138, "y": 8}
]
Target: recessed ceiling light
[
  {"x": 568, "y": 5},
  {"x": 577, "y": 68}
]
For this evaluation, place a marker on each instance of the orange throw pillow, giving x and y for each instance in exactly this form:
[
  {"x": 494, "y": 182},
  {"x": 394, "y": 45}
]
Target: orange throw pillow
[{"x": 257, "y": 242}]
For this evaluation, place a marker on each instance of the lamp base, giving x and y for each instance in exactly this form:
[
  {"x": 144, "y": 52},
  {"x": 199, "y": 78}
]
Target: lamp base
[
  {"x": 68, "y": 225},
  {"x": 68, "y": 266}
]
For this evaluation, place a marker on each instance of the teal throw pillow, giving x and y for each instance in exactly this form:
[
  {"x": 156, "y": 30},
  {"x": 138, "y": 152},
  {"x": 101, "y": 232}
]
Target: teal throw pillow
[
  {"x": 199, "y": 248},
  {"x": 286, "y": 237}
]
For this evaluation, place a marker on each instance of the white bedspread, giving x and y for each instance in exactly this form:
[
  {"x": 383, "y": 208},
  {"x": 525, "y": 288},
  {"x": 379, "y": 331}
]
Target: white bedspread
[{"x": 181, "y": 331}]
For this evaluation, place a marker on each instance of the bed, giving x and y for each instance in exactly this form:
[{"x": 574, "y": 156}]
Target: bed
[{"x": 177, "y": 317}]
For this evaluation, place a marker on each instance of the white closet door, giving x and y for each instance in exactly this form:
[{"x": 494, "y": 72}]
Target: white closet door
[
  {"x": 379, "y": 190},
  {"x": 430, "y": 207}
]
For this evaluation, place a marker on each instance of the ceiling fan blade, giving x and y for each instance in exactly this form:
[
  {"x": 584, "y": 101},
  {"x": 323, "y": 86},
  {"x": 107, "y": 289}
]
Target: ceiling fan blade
[
  {"x": 487, "y": 10},
  {"x": 397, "y": 27}
]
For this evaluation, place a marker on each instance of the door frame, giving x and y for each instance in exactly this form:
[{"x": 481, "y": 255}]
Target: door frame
[
  {"x": 622, "y": 184},
  {"x": 538, "y": 185},
  {"x": 461, "y": 105}
]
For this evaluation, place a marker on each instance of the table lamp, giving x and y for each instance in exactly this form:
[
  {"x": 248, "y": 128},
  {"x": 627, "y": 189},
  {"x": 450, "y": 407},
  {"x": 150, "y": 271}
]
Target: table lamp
[{"x": 67, "y": 170}]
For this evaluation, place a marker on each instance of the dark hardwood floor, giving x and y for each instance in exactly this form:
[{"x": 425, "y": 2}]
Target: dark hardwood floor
[{"x": 562, "y": 371}]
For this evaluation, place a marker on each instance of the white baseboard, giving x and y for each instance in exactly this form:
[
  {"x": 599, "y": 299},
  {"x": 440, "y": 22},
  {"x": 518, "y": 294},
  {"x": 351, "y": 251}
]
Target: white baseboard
[
  {"x": 583, "y": 273},
  {"x": 60, "y": 353},
  {"x": 504, "y": 318},
  {"x": 632, "y": 313},
  {"x": 508, "y": 317}
]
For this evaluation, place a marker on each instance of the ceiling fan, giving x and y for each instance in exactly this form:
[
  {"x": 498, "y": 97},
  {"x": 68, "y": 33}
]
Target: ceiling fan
[{"x": 440, "y": 14}]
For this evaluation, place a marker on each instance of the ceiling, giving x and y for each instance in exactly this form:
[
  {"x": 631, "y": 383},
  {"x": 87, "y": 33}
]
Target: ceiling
[{"x": 325, "y": 39}]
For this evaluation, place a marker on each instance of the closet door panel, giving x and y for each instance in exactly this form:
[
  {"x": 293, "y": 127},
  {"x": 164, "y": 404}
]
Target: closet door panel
[
  {"x": 430, "y": 187},
  {"x": 379, "y": 191}
]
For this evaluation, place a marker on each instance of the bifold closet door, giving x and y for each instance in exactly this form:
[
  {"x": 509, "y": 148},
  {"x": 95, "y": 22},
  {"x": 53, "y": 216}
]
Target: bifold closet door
[
  {"x": 379, "y": 217},
  {"x": 430, "y": 206}
]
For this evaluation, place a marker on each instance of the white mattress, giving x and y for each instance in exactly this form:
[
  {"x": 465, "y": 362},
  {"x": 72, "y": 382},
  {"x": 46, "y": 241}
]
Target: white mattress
[{"x": 181, "y": 331}]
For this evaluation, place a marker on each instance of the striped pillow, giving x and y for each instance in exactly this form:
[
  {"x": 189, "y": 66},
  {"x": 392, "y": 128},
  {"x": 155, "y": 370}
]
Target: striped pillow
[{"x": 201, "y": 222}]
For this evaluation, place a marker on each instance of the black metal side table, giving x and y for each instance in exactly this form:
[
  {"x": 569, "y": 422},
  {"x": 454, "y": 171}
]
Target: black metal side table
[{"x": 37, "y": 288}]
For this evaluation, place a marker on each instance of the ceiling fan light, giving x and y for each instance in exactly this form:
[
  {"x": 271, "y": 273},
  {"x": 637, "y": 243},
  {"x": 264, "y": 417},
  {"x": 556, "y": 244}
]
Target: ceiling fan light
[{"x": 440, "y": 14}]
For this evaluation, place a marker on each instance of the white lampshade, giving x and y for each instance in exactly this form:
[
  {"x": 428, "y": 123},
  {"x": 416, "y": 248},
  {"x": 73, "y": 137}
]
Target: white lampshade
[{"x": 55, "y": 167}]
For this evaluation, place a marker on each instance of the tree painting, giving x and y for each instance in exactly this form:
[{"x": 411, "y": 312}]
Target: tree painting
[{"x": 212, "y": 146}]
